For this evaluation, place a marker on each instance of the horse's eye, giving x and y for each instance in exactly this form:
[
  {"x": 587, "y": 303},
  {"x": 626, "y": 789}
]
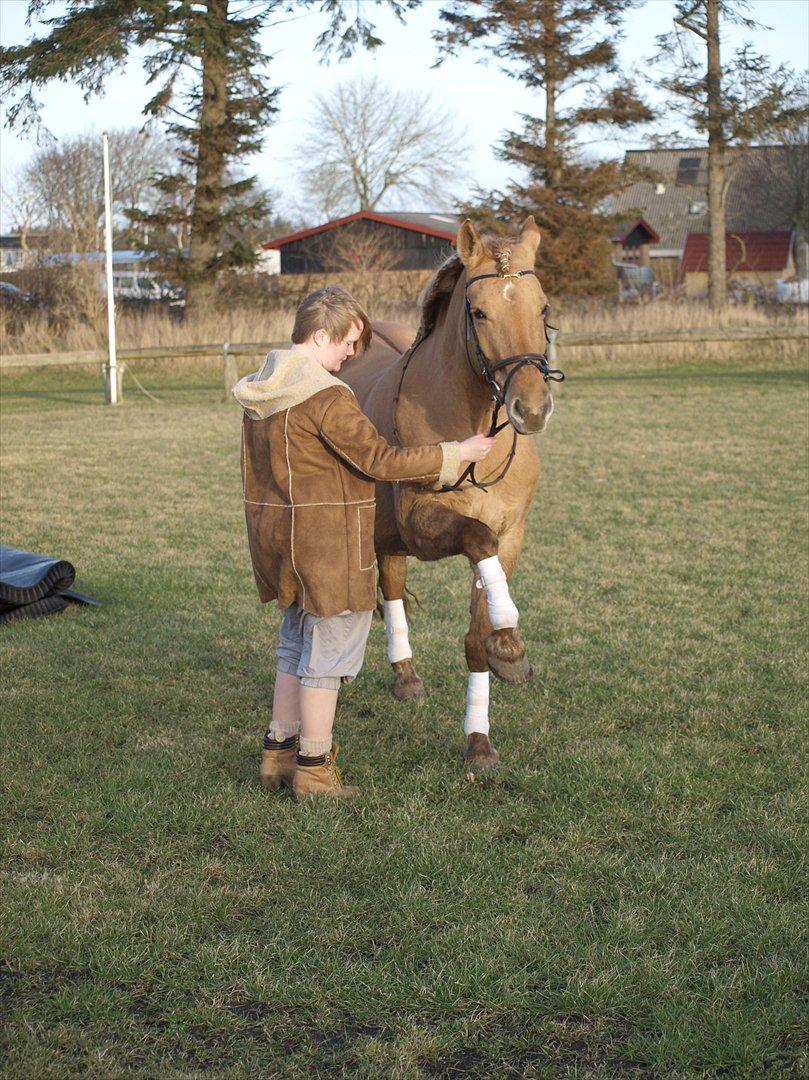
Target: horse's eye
[
  {"x": 545, "y": 310},
  {"x": 478, "y": 313}
]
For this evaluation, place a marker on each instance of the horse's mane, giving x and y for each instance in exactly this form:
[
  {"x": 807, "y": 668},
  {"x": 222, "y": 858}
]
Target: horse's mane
[
  {"x": 436, "y": 293},
  {"x": 439, "y": 288}
]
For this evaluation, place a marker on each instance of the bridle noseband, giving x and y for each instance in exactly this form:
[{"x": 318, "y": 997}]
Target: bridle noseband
[{"x": 486, "y": 369}]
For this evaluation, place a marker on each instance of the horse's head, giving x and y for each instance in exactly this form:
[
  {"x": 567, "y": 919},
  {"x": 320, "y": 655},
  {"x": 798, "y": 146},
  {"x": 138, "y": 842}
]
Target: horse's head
[{"x": 506, "y": 309}]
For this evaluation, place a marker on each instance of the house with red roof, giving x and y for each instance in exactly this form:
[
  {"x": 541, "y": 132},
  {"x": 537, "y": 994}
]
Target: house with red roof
[
  {"x": 369, "y": 241},
  {"x": 663, "y": 214},
  {"x": 753, "y": 259}
]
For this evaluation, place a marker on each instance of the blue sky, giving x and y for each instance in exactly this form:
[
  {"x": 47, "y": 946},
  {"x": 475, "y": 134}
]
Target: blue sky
[{"x": 485, "y": 101}]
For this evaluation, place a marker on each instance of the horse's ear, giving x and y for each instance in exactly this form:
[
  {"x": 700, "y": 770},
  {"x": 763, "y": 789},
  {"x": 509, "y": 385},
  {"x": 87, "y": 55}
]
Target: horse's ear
[
  {"x": 529, "y": 233},
  {"x": 469, "y": 244}
]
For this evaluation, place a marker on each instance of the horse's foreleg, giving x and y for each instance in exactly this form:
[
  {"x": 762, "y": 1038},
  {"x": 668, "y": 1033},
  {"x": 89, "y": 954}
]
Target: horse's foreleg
[
  {"x": 436, "y": 532},
  {"x": 480, "y": 755},
  {"x": 505, "y": 646},
  {"x": 392, "y": 579}
]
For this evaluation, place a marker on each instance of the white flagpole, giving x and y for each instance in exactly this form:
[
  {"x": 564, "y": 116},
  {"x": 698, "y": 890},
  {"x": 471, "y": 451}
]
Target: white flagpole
[{"x": 112, "y": 367}]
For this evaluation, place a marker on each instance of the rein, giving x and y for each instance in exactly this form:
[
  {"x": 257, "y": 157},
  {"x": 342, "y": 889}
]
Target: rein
[{"x": 487, "y": 370}]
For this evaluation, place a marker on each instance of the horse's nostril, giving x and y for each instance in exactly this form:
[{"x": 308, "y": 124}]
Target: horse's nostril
[{"x": 517, "y": 409}]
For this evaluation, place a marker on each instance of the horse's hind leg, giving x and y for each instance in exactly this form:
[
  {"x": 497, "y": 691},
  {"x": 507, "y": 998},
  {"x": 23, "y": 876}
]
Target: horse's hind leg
[{"x": 392, "y": 579}]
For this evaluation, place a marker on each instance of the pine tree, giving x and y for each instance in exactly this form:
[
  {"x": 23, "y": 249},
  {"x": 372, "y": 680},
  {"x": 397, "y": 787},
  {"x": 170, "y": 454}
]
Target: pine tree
[
  {"x": 736, "y": 104},
  {"x": 212, "y": 93},
  {"x": 554, "y": 46}
]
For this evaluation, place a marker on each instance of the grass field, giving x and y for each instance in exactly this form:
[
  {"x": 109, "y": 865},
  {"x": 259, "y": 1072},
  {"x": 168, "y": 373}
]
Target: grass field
[{"x": 623, "y": 897}]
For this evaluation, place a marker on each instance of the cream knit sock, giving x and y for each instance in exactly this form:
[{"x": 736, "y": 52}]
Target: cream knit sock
[
  {"x": 314, "y": 747},
  {"x": 278, "y": 731}
]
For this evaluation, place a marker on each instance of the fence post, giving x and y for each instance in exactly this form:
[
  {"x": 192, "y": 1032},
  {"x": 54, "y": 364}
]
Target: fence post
[
  {"x": 552, "y": 336},
  {"x": 230, "y": 373}
]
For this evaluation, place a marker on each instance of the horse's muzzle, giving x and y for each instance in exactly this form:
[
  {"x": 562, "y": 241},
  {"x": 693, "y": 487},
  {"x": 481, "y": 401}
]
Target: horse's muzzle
[{"x": 530, "y": 419}]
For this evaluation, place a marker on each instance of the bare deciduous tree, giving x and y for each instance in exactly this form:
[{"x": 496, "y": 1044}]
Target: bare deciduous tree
[
  {"x": 365, "y": 142},
  {"x": 22, "y": 206},
  {"x": 65, "y": 179}
]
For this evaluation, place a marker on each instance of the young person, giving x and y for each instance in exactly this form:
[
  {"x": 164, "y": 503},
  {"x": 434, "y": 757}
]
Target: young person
[{"x": 309, "y": 461}]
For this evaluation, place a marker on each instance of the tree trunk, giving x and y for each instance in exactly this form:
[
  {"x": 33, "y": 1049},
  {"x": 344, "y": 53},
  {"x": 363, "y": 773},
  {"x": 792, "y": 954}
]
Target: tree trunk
[
  {"x": 553, "y": 169},
  {"x": 205, "y": 216},
  {"x": 717, "y": 277}
]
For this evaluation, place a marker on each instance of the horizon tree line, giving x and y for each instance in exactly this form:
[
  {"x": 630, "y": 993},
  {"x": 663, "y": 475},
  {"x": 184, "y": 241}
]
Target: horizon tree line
[{"x": 215, "y": 103}]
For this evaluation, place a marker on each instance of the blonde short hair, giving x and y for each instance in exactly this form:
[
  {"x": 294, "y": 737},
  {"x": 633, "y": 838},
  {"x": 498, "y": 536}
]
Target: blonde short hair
[{"x": 334, "y": 310}]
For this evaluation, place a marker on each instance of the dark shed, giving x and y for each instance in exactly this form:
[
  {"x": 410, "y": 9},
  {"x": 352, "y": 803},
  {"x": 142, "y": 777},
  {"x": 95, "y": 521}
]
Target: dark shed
[{"x": 367, "y": 240}]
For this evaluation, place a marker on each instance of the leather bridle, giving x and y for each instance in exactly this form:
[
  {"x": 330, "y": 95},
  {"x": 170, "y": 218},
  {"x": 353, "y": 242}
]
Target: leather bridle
[{"x": 487, "y": 369}]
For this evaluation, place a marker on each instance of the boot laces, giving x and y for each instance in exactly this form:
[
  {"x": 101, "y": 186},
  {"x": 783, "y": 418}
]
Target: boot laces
[{"x": 334, "y": 771}]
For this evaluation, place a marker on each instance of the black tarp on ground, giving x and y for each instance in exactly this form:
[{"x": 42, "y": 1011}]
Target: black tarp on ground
[{"x": 33, "y": 585}]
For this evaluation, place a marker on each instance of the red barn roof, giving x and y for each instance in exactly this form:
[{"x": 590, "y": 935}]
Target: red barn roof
[
  {"x": 420, "y": 223},
  {"x": 743, "y": 251}
]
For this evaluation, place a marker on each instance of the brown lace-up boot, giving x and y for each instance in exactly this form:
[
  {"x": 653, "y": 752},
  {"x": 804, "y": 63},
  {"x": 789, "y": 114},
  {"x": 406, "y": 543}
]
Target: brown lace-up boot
[
  {"x": 320, "y": 776},
  {"x": 278, "y": 762}
]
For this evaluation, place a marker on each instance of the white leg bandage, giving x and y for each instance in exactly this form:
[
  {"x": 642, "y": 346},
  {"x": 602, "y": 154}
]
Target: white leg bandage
[
  {"x": 396, "y": 629},
  {"x": 477, "y": 703},
  {"x": 502, "y": 609}
]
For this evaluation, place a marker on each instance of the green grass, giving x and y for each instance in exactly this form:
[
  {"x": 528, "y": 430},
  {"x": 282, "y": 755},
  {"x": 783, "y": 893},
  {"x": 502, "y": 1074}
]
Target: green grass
[{"x": 623, "y": 897}]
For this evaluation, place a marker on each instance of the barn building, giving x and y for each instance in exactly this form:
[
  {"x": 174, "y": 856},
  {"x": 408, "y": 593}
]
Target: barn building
[{"x": 369, "y": 241}]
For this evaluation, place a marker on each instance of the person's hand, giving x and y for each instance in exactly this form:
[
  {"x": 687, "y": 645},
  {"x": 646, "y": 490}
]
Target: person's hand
[{"x": 476, "y": 448}]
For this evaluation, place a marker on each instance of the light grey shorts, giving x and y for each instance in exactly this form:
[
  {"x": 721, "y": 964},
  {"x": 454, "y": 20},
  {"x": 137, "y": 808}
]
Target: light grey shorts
[{"x": 322, "y": 651}]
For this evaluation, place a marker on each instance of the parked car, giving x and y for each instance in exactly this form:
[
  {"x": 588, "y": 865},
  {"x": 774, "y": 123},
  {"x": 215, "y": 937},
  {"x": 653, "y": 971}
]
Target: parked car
[{"x": 10, "y": 294}]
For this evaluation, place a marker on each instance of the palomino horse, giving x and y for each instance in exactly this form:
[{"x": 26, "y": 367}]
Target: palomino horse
[{"x": 480, "y": 344}]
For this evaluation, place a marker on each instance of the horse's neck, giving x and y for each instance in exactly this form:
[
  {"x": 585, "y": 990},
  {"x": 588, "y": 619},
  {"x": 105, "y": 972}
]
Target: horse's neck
[{"x": 447, "y": 377}]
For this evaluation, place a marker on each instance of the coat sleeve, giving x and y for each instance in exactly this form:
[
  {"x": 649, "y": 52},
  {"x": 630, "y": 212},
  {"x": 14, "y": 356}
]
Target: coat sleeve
[{"x": 350, "y": 433}]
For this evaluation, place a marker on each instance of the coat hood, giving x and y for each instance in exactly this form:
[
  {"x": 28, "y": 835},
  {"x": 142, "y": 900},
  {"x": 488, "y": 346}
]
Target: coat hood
[{"x": 285, "y": 379}]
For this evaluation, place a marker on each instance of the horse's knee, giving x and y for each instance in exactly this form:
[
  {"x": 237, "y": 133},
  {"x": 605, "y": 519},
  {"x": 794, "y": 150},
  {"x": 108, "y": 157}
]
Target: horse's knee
[{"x": 478, "y": 541}]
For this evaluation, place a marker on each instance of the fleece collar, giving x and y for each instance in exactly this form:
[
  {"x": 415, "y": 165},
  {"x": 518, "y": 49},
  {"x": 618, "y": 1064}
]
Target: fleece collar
[{"x": 285, "y": 379}]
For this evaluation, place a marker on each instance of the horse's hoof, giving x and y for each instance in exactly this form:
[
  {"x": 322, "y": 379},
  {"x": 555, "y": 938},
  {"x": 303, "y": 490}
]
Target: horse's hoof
[
  {"x": 505, "y": 655},
  {"x": 408, "y": 686},
  {"x": 412, "y": 690},
  {"x": 480, "y": 756}
]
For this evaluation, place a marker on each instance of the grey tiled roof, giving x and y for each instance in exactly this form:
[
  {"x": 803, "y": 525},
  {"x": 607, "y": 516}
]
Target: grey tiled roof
[
  {"x": 752, "y": 203},
  {"x": 446, "y": 222}
]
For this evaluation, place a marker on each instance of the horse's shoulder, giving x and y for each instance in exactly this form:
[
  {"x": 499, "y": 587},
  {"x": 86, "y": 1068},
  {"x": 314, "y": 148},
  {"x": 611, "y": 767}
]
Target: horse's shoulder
[{"x": 396, "y": 336}]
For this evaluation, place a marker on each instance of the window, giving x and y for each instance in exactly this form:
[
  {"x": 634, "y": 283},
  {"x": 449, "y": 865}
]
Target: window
[
  {"x": 697, "y": 208},
  {"x": 688, "y": 170}
]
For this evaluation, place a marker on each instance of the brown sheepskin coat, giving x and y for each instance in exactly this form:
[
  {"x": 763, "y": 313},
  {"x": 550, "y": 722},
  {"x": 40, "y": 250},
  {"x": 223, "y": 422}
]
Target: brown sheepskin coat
[{"x": 309, "y": 461}]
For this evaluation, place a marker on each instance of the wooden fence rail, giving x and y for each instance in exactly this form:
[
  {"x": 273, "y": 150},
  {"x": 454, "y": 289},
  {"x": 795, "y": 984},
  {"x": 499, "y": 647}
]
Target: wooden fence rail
[{"x": 228, "y": 351}]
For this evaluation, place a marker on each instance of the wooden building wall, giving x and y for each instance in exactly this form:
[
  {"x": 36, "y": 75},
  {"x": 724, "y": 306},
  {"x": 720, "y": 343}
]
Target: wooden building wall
[{"x": 372, "y": 243}]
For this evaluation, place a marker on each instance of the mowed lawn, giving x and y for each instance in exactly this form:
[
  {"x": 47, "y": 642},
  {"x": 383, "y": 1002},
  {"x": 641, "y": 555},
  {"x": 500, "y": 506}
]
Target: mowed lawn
[{"x": 623, "y": 897}]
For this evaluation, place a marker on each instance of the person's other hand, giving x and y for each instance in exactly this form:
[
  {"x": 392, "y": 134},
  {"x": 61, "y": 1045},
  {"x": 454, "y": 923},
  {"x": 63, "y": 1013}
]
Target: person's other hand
[{"x": 476, "y": 448}]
